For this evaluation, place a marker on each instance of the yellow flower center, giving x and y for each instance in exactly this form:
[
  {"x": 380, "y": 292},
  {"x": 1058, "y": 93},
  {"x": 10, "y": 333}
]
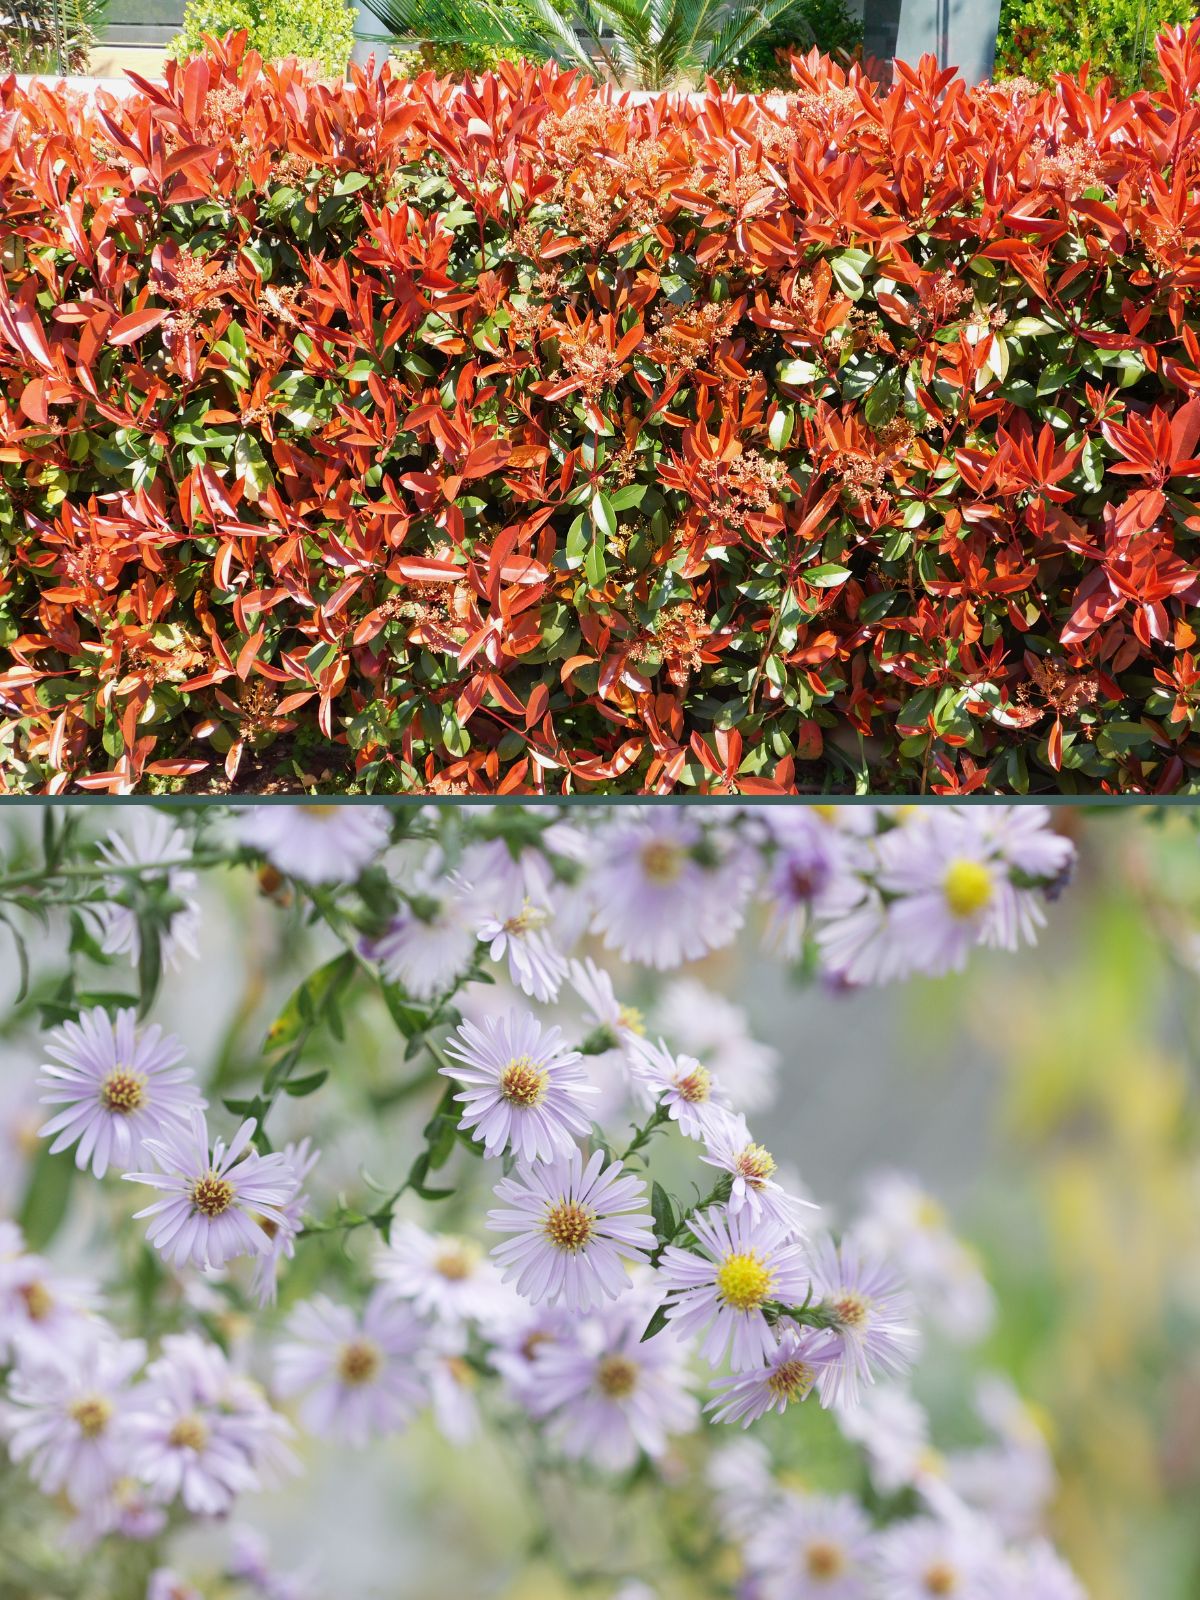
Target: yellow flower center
[
  {"x": 123, "y": 1091},
  {"x": 616, "y": 1377},
  {"x": 630, "y": 1017},
  {"x": 358, "y": 1362},
  {"x": 941, "y": 1578},
  {"x": 695, "y": 1086},
  {"x": 824, "y": 1560},
  {"x": 189, "y": 1433},
  {"x": 967, "y": 886},
  {"x": 755, "y": 1165},
  {"x": 92, "y": 1413},
  {"x": 662, "y": 861},
  {"x": 319, "y": 811},
  {"x": 569, "y": 1225},
  {"x": 523, "y": 1082},
  {"x": 929, "y": 1213},
  {"x": 39, "y": 1302},
  {"x": 791, "y": 1380},
  {"x": 268, "y": 1226},
  {"x": 851, "y": 1308},
  {"x": 744, "y": 1281},
  {"x": 212, "y": 1194},
  {"x": 826, "y": 813},
  {"x": 455, "y": 1260},
  {"x": 528, "y": 920}
]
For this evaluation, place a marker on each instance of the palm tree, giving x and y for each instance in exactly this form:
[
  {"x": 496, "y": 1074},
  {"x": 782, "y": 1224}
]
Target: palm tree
[{"x": 644, "y": 44}]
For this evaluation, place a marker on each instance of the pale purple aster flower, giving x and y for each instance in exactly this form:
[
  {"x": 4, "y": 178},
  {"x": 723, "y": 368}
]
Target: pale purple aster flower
[
  {"x": 126, "y": 1511},
  {"x": 901, "y": 1221},
  {"x": 215, "y": 1202},
  {"x": 151, "y": 839},
  {"x": 666, "y": 891},
  {"x": 281, "y": 1237},
  {"x": 574, "y": 1227},
  {"x": 714, "y": 1030},
  {"x": 859, "y": 946},
  {"x": 787, "y": 1379},
  {"x": 446, "y": 1277},
  {"x": 357, "y": 1375},
  {"x": 451, "y": 1381},
  {"x": 810, "y": 875},
  {"x": 695, "y": 1101},
  {"x": 166, "y": 1584},
  {"x": 196, "y": 1436},
  {"x": 741, "y": 1476},
  {"x": 513, "y": 1350},
  {"x": 745, "y": 1261},
  {"x": 1035, "y": 1573},
  {"x": 317, "y": 843},
  {"x": 118, "y": 1085},
  {"x": 872, "y": 1317},
  {"x": 609, "y": 1394},
  {"x": 813, "y": 1547},
  {"x": 892, "y": 1430},
  {"x": 927, "y": 1558},
  {"x": 524, "y": 1090},
  {"x": 603, "y": 1011},
  {"x": 535, "y": 964},
  {"x": 69, "y": 1416},
  {"x": 250, "y": 1563},
  {"x": 426, "y": 952},
  {"x": 730, "y": 1148},
  {"x": 20, "y": 1117},
  {"x": 1024, "y": 837},
  {"x": 41, "y": 1311}
]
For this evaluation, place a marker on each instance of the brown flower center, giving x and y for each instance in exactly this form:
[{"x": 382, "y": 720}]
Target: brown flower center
[
  {"x": 92, "y": 1413},
  {"x": 39, "y": 1302},
  {"x": 851, "y": 1309},
  {"x": 824, "y": 1560},
  {"x": 454, "y": 1261},
  {"x": 212, "y": 1194},
  {"x": 358, "y": 1362},
  {"x": 791, "y": 1380},
  {"x": 941, "y": 1578},
  {"x": 189, "y": 1433},
  {"x": 616, "y": 1377},
  {"x": 755, "y": 1165},
  {"x": 523, "y": 1082},
  {"x": 569, "y": 1225},
  {"x": 662, "y": 861},
  {"x": 123, "y": 1091}
]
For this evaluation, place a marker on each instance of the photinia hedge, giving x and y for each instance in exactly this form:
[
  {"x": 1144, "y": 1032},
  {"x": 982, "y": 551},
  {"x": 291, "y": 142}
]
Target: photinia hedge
[{"x": 508, "y": 436}]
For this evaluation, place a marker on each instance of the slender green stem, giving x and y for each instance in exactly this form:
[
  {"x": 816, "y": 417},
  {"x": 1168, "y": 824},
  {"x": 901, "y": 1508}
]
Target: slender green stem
[{"x": 642, "y": 1136}]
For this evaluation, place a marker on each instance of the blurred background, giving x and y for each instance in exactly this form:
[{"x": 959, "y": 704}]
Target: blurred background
[{"x": 1048, "y": 1101}]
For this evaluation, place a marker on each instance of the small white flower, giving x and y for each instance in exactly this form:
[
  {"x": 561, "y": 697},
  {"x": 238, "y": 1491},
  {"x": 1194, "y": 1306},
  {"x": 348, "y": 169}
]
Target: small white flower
[
  {"x": 317, "y": 843},
  {"x": 148, "y": 840},
  {"x": 694, "y": 1099},
  {"x": 535, "y": 964},
  {"x": 444, "y": 1276}
]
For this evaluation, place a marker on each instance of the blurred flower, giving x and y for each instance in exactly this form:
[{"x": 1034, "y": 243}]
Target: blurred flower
[
  {"x": 119, "y": 1084},
  {"x": 149, "y": 840},
  {"x": 665, "y": 892},
  {"x": 927, "y": 1559},
  {"x": 608, "y": 1393},
  {"x": 41, "y": 1311},
  {"x": 167, "y": 1585},
  {"x": 357, "y": 1375},
  {"x": 443, "y": 1275},
  {"x": 710, "y": 1027},
  {"x": 812, "y": 1547},
  {"x": 424, "y": 952},
  {"x": 535, "y": 964},
  {"x": 70, "y": 1416},
  {"x": 301, "y": 1158},
  {"x": 316, "y": 843}
]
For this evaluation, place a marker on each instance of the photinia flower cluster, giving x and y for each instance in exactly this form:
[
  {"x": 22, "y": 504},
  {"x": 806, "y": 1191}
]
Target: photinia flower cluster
[
  {"x": 512, "y": 436},
  {"x": 580, "y": 1293}
]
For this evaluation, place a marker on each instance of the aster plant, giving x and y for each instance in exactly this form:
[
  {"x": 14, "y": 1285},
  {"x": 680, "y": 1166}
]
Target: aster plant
[{"x": 545, "y": 1204}]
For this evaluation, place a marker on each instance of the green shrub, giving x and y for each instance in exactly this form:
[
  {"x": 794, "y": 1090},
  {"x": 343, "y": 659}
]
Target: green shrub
[
  {"x": 453, "y": 58},
  {"x": 763, "y": 65},
  {"x": 313, "y": 30},
  {"x": 1041, "y": 37}
]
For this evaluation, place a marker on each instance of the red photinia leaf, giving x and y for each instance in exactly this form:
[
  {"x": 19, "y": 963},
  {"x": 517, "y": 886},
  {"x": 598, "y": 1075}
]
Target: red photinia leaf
[{"x": 131, "y": 328}]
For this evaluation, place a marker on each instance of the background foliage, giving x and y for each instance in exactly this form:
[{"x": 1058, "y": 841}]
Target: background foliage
[{"x": 389, "y": 435}]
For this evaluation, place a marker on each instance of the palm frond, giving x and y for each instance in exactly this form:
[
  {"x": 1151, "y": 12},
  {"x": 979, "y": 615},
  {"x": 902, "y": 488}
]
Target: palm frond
[{"x": 746, "y": 24}]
